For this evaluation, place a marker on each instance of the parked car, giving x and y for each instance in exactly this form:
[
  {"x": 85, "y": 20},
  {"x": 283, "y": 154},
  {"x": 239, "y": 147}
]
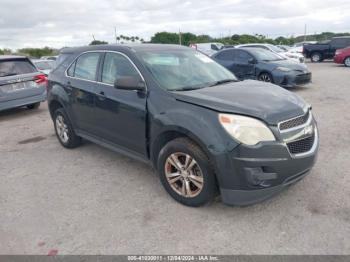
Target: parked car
[
  {"x": 342, "y": 56},
  {"x": 21, "y": 84},
  {"x": 298, "y": 58},
  {"x": 44, "y": 66},
  {"x": 49, "y": 58},
  {"x": 175, "y": 108},
  {"x": 208, "y": 48},
  {"x": 263, "y": 65},
  {"x": 325, "y": 50}
]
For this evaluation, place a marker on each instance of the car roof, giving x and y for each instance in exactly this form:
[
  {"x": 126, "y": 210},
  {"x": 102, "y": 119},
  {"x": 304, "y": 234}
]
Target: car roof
[
  {"x": 124, "y": 47},
  {"x": 9, "y": 57}
]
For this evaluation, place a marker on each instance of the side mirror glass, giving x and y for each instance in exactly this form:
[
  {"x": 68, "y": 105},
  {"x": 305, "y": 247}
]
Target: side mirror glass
[{"x": 130, "y": 83}]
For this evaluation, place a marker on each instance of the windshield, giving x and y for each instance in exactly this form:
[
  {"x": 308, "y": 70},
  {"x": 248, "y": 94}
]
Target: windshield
[
  {"x": 266, "y": 55},
  {"x": 276, "y": 49},
  {"x": 184, "y": 69}
]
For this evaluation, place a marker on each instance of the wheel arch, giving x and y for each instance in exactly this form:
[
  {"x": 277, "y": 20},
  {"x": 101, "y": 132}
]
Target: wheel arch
[{"x": 170, "y": 134}]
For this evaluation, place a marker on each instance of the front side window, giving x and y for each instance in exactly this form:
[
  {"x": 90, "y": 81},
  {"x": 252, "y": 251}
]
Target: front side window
[
  {"x": 86, "y": 66},
  {"x": 242, "y": 56},
  {"x": 116, "y": 66},
  {"x": 183, "y": 69}
]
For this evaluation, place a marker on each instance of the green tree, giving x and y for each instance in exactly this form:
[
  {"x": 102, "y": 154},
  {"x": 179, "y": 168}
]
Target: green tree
[{"x": 98, "y": 42}]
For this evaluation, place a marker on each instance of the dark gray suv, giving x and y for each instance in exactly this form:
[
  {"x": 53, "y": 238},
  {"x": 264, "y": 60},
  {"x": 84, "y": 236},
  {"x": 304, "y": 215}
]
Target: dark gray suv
[{"x": 204, "y": 131}]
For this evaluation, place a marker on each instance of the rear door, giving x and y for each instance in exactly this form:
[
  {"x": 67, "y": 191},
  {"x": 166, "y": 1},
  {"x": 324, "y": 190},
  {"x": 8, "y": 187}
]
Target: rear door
[
  {"x": 80, "y": 85},
  {"x": 120, "y": 115},
  {"x": 244, "y": 66},
  {"x": 18, "y": 80}
]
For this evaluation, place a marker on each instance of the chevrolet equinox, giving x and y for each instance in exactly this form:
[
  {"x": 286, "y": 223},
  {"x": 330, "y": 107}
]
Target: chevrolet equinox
[{"x": 204, "y": 131}]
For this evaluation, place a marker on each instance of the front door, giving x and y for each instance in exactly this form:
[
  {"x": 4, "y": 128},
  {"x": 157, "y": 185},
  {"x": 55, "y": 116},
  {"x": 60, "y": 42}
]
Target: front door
[{"x": 120, "y": 115}]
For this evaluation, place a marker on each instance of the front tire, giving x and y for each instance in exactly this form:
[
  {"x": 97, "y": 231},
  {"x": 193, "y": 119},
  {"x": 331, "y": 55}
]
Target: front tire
[
  {"x": 64, "y": 130},
  {"x": 316, "y": 57},
  {"x": 186, "y": 173},
  {"x": 347, "y": 62},
  {"x": 33, "y": 106},
  {"x": 265, "y": 77}
]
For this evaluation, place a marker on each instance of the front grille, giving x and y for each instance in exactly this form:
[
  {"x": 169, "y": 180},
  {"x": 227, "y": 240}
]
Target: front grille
[
  {"x": 303, "y": 79},
  {"x": 301, "y": 146},
  {"x": 298, "y": 121}
]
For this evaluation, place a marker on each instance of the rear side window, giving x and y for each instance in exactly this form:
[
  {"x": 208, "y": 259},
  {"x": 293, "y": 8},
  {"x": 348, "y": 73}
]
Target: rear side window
[
  {"x": 225, "y": 55},
  {"x": 116, "y": 66},
  {"x": 16, "y": 67},
  {"x": 85, "y": 66}
]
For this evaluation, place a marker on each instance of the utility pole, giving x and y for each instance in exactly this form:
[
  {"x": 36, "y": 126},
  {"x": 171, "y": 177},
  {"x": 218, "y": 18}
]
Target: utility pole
[
  {"x": 180, "y": 40},
  {"x": 115, "y": 35},
  {"x": 305, "y": 30},
  {"x": 93, "y": 37}
]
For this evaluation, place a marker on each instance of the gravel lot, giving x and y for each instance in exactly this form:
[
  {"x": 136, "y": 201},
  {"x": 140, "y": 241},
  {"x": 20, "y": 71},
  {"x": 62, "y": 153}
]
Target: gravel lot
[{"x": 93, "y": 201}]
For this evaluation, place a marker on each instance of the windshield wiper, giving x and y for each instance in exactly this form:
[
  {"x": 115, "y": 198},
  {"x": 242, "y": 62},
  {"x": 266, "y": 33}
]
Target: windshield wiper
[
  {"x": 224, "y": 81},
  {"x": 187, "y": 88}
]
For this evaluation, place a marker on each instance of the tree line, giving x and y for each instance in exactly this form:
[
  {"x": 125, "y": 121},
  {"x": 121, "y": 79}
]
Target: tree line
[{"x": 185, "y": 39}]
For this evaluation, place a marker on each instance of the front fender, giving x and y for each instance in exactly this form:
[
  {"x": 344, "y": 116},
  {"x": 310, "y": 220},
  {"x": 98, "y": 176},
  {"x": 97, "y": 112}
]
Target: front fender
[{"x": 198, "y": 123}]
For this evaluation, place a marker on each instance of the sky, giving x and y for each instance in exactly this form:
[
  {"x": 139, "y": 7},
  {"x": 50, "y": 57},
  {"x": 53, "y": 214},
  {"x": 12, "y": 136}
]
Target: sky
[{"x": 58, "y": 23}]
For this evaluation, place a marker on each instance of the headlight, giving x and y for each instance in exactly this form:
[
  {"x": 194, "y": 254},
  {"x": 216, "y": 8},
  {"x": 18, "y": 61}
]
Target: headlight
[
  {"x": 283, "y": 69},
  {"x": 246, "y": 130}
]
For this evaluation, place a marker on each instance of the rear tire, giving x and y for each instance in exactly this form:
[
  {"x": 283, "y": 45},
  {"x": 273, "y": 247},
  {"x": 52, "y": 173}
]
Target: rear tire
[
  {"x": 316, "y": 57},
  {"x": 33, "y": 106},
  {"x": 186, "y": 173},
  {"x": 64, "y": 130},
  {"x": 347, "y": 62}
]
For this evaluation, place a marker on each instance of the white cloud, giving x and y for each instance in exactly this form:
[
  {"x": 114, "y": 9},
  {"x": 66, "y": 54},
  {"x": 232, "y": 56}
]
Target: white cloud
[{"x": 73, "y": 22}]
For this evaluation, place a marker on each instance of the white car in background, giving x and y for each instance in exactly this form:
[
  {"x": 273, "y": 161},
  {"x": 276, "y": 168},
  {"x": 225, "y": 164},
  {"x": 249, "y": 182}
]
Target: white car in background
[
  {"x": 296, "y": 57},
  {"x": 208, "y": 48}
]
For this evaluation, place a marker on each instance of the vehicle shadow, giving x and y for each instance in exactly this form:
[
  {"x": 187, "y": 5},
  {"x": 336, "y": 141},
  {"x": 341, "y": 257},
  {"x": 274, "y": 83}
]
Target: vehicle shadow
[{"x": 19, "y": 112}]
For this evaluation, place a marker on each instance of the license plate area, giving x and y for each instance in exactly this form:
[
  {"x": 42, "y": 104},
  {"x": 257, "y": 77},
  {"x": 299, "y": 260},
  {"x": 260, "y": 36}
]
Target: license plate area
[{"x": 15, "y": 87}]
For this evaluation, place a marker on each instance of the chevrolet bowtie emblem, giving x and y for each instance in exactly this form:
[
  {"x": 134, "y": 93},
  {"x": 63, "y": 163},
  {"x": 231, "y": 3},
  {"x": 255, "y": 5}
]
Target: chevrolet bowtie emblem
[{"x": 308, "y": 130}]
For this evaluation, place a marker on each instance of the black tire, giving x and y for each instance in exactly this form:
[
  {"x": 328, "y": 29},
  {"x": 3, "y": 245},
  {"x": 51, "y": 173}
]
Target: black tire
[
  {"x": 265, "y": 77},
  {"x": 73, "y": 140},
  {"x": 33, "y": 106},
  {"x": 316, "y": 57},
  {"x": 209, "y": 187},
  {"x": 347, "y": 61}
]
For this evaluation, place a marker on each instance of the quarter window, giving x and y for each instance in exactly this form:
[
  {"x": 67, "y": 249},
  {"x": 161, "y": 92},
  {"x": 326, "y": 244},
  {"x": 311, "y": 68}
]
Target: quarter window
[
  {"x": 86, "y": 66},
  {"x": 116, "y": 66}
]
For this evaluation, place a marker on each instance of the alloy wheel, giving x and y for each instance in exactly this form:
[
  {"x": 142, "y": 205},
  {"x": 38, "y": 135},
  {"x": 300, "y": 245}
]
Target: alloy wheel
[
  {"x": 62, "y": 129},
  {"x": 184, "y": 175},
  {"x": 265, "y": 78},
  {"x": 347, "y": 62},
  {"x": 316, "y": 58}
]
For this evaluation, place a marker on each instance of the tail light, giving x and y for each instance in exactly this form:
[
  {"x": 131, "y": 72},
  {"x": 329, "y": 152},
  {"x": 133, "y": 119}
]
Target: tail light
[{"x": 40, "y": 79}]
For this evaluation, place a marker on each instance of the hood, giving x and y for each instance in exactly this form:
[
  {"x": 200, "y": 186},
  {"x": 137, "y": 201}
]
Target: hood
[
  {"x": 265, "y": 101},
  {"x": 289, "y": 64}
]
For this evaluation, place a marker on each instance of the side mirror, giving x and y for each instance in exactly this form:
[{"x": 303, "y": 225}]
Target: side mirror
[
  {"x": 251, "y": 61},
  {"x": 130, "y": 83}
]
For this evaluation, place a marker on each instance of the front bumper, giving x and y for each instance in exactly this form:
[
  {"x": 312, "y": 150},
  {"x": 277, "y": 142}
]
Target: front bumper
[
  {"x": 338, "y": 59},
  {"x": 251, "y": 174},
  {"x": 292, "y": 79}
]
